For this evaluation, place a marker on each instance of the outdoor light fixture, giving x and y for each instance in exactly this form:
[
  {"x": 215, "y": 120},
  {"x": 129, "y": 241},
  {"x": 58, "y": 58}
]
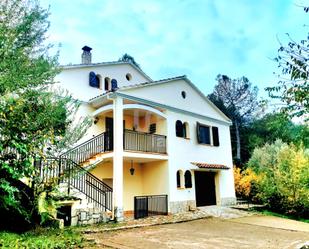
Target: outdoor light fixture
[
  {"x": 132, "y": 169},
  {"x": 96, "y": 120}
]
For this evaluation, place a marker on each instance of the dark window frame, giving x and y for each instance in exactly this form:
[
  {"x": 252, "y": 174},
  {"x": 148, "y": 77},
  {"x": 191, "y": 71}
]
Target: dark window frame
[
  {"x": 202, "y": 138},
  {"x": 215, "y": 136},
  {"x": 178, "y": 179}
]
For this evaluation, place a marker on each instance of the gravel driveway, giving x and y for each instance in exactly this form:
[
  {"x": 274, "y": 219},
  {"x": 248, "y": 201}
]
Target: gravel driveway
[{"x": 204, "y": 233}]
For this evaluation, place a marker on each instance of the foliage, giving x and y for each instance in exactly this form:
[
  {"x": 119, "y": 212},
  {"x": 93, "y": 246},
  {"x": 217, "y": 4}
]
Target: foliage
[
  {"x": 271, "y": 127},
  {"x": 237, "y": 99},
  {"x": 43, "y": 238},
  {"x": 244, "y": 182},
  {"x": 283, "y": 177},
  {"x": 32, "y": 118},
  {"x": 128, "y": 58},
  {"x": 293, "y": 90}
]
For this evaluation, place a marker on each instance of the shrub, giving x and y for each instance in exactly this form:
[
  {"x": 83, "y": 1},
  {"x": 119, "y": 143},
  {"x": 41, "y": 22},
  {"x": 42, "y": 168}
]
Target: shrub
[{"x": 283, "y": 177}]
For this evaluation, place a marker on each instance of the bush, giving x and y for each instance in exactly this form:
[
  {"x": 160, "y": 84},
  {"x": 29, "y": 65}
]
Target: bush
[
  {"x": 283, "y": 177},
  {"x": 245, "y": 182}
]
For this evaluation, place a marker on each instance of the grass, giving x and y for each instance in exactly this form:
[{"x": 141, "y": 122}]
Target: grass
[
  {"x": 44, "y": 238},
  {"x": 271, "y": 213}
]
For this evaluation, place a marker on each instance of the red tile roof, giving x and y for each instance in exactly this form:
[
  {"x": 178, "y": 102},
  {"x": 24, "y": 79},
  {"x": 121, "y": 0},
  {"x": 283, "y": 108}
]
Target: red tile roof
[{"x": 209, "y": 166}]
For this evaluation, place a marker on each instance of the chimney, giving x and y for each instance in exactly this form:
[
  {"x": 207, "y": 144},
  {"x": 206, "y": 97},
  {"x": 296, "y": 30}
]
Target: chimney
[{"x": 86, "y": 55}]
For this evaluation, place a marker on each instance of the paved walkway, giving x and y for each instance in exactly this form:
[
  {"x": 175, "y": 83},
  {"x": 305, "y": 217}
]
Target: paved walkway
[
  {"x": 274, "y": 222},
  {"x": 212, "y": 233},
  {"x": 200, "y": 213}
]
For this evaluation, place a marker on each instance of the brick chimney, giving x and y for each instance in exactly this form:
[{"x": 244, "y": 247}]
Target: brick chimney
[{"x": 86, "y": 55}]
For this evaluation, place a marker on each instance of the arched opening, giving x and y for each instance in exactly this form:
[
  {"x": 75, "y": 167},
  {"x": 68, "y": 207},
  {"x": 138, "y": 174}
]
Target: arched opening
[
  {"x": 179, "y": 128},
  {"x": 185, "y": 128},
  {"x": 188, "y": 179},
  {"x": 107, "y": 84},
  {"x": 99, "y": 81},
  {"x": 179, "y": 178}
]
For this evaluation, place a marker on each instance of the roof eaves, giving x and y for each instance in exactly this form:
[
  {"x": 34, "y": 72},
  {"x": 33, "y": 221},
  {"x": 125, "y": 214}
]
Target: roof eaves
[{"x": 104, "y": 64}]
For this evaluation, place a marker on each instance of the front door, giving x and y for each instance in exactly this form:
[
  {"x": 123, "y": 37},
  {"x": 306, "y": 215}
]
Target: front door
[{"x": 205, "y": 188}]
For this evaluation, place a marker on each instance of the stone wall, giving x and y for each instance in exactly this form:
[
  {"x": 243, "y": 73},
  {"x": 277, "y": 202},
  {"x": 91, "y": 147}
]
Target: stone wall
[
  {"x": 181, "y": 206},
  {"x": 228, "y": 201}
]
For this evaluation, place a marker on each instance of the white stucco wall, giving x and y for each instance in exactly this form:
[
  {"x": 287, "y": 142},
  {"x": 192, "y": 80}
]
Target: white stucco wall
[
  {"x": 170, "y": 94},
  {"x": 76, "y": 79},
  {"x": 184, "y": 151}
]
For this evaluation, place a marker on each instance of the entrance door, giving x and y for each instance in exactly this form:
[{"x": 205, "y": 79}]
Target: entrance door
[{"x": 205, "y": 188}]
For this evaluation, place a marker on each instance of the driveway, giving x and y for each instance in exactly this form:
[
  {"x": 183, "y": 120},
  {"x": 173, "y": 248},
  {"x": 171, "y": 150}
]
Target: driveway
[{"x": 204, "y": 233}]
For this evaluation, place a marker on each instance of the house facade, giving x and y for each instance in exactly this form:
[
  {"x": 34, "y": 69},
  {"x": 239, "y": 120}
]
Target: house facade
[{"x": 153, "y": 144}]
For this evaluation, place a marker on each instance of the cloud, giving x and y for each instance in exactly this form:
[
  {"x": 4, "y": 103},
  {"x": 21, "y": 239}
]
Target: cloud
[{"x": 198, "y": 38}]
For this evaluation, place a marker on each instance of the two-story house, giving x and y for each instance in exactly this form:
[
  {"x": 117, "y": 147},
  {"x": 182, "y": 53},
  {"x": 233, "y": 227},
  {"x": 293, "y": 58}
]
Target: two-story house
[{"x": 154, "y": 146}]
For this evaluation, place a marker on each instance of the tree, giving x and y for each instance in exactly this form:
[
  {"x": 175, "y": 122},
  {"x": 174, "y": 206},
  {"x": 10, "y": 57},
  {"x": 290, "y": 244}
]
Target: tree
[
  {"x": 32, "y": 118},
  {"x": 293, "y": 90},
  {"x": 128, "y": 58},
  {"x": 271, "y": 127},
  {"x": 238, "y": 100}
]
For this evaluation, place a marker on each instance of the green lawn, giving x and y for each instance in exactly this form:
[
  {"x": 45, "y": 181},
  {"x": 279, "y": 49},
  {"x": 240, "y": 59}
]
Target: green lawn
[
  {"x": 267, "y": 212},
  {"x": 44, "y": 238}
]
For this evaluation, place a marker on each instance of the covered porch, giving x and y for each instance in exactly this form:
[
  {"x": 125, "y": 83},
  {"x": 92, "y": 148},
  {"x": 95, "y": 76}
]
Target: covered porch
[{"x": 141, "y": 177}]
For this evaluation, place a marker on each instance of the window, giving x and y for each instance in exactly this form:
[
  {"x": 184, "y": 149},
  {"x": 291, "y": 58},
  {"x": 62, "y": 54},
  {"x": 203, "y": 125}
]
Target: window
[
  {"x": 203, "y": 134},
  {"x": 107, "y": 84},
  {"x": 182, "y": 129},
  {"x": 179, "y": 178},
  {"x": 188, "y": 179},
  {"x": 128, "y": 76},
  {"x": 185, "y": 127},
  {"x": 207, "y": 134},
  {"x": 179, "y": 129},
  {"x": 215, "y": 136},
  {"x": 94, "y": 80},
  {"x": 152, "y": 128},
  {"x": 183, "y": 94}
]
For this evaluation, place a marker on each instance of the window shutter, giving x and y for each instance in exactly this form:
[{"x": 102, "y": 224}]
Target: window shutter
[
  {"x": 179, "y": 129},
  {"x": 94, "y": 80},
  {"x": 215, "y": 136}
]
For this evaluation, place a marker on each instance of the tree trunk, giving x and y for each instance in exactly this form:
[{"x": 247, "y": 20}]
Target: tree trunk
[{"x": 237, "y": 141}]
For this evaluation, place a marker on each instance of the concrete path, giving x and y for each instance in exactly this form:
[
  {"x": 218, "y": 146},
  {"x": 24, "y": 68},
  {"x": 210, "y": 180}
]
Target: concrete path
[
  {"x": 274, "y": 222},
  {"x": 212, "y": 233}
]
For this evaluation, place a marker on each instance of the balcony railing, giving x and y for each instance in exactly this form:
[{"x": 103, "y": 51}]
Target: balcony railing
[{"x": 144, "y": 142}]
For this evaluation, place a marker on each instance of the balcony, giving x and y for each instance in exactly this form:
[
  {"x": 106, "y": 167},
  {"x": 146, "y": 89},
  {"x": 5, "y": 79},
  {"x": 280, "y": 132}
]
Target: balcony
[
  {"x": 133, "y": 141},
  {"x": 144, "y": 142}
]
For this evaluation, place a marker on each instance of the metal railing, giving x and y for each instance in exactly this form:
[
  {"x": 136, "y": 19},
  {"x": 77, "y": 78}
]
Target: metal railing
[
  {"x": 96, "y": 145},
  {"x": 150, "y": 205},
  {"x": 64, "y": 170},
  {"x": 144, "y": 142}
]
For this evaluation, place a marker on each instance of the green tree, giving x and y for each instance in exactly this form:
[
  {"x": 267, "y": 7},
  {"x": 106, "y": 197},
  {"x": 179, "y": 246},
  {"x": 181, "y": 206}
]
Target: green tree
[
  {"x": 293, "y": 86},
  {"x": 128, "y": 58},
  {"x": 32, "y": 118},
  {"x": 238, "y": 100},
  {"x": 271, "y": 127}
]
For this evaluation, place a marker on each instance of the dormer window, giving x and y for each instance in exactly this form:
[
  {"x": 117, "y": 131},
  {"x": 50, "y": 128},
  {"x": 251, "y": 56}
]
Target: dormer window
[{"x": 94, "y": 80}]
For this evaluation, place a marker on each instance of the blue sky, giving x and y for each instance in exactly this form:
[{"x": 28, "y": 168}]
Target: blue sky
[{"x": 174, "y": 37}]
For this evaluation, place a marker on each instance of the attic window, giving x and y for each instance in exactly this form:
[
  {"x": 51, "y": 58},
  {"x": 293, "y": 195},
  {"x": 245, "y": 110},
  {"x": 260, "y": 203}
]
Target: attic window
[
  {"x": 128, "y": 76},
  {"x": 183, "y": 94}
]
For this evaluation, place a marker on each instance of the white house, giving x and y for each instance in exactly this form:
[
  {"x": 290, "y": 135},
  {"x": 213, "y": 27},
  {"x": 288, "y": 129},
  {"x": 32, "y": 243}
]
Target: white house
[{"x": 154, "y": 146}]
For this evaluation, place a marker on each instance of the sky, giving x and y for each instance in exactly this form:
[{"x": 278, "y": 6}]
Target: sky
[{"x": 198, "y": 38}]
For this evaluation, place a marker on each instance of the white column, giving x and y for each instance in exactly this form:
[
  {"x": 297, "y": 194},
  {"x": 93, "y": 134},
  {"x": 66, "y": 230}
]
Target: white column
[{"x": 118, "y": 159}]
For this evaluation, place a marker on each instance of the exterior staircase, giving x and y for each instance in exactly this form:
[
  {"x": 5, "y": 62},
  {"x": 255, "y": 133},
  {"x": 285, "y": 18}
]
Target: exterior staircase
[{"x": 68, "y": 171}]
